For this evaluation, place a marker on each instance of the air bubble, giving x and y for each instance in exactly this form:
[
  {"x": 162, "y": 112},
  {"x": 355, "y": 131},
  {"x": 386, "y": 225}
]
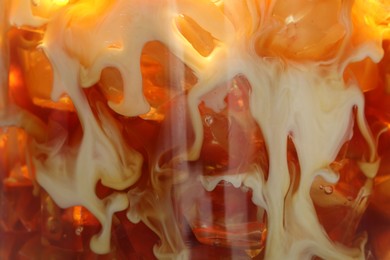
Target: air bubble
[
  {"x": 328, "y": 190},
  {"x": 208, "y": 120},
  {"x": 217, "y": 242},
  {"x": 79, "y": 230}
]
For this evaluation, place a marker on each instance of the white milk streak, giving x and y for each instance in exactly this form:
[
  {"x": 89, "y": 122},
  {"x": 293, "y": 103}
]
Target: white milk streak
[
  {"x": 299, "y": 111},
  {"x": 309, "y": 103}
]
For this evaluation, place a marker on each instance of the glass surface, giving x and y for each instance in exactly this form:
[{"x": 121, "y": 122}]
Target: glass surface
[{"x": 194, "y": 129}]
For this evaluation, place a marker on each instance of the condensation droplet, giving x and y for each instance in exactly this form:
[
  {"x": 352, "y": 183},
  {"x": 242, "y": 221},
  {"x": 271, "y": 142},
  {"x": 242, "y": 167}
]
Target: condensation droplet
[{"x": 208, "y": 120}]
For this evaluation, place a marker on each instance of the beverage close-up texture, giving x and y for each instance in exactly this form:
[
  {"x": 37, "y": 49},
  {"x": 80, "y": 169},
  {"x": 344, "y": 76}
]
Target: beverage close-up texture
[{"x": 195, "y": 129}]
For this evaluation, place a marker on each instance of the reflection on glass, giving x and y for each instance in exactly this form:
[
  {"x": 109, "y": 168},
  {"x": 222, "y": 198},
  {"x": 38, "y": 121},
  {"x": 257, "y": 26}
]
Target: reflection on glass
[{"x": 184, "y": 129}]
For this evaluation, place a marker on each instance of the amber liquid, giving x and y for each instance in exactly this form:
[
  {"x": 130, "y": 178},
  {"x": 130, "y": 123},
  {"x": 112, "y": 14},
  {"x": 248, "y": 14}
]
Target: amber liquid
[
  {"x": 223, "y": 222},
  {"x": 224, "y": 218}
]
